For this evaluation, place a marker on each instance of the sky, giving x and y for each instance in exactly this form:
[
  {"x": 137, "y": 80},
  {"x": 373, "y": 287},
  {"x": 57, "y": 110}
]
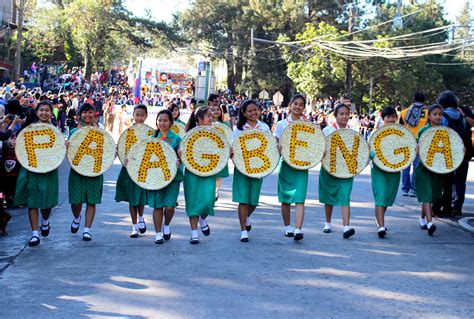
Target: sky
[{"x": 162, "y": 10}]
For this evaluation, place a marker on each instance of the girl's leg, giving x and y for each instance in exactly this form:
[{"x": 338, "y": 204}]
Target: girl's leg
[
  {"x": 158, "y": 219},
  {"x": 218, "y": 186},
  {"x": 133, "y": 214},
  {"x": 33, "y": 215},
  {"x": 76, "y": 210},
  {"x": 428, "y": 212},
  {"x": 285, "y": 213},
  {"x": 299, "y": 215},
  {"x": 193, "y": 221},
  {"x": 90, "y": 214},
  {"x": 243, "y": 213},
  {"x": 379, "y": 215},
  {"x": 328, "y": 212},
  {"x": 140, "y": 210},
  {"x": 169, "y": 214},
  {"x": 346, "y": 215}
]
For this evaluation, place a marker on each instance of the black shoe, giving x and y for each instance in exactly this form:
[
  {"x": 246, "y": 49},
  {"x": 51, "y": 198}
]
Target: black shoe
[
  {"x": 206, "y": 232},
  {"x": 75, "y": 229},
  {"x": 194, "y": 241},
  {"x": 167, "y": 236},
  {"x": 86, "y": 236},
  {"x": 159, "y": 241},
  {"x": 289, "y": 234},
  {"x": 244, "y": 240},
  {"x": 34, "y": 241},
  {"x": 326, "y": 230},
  {"x": 347, "y": 234},
  {"x": 45, "y": 231},
  {"x": 298, "y": 237},
  {"x": 424, "y": 227},
  {"x": 382, "y": 233},
  {"x": 142, "y": 230},
  {"x": 134, "y": 234},
  {"x": 249, "y": 227},
  {"x": 431, "y": 230}
]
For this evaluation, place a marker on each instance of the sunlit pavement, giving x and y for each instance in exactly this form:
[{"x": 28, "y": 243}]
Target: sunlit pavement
[{"x": 407, "y": 274}]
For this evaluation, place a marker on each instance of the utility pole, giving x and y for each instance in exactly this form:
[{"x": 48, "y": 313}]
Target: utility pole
[
  {"x": 351, "y": 23},
  {"x": 20, "y": 5}
]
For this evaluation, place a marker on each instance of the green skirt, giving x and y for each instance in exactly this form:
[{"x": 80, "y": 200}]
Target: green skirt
[
  {"x": 37, "y": 190},
  {"x": 292, "y": 184},
  {"x": 128, "y": 191},
  {"x": 333, "y": 190},
  {"x": 83, "y": 189},
  {"x": 245, "y": 190},
  {"x": 384, "y": 186},
  {"x": 166, "y": 197},
  {"x": 199, "y": 194},
  {"x": 429, "y": 185},
  {"x": 224, "y": 173}
]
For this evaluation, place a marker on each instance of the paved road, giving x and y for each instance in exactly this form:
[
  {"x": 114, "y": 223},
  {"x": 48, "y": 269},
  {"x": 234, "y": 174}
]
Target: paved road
[{"x": 408, "y": 274}]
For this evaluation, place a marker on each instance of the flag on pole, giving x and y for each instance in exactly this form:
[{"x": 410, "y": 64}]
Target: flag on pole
[{"x": 137, "y": 93}]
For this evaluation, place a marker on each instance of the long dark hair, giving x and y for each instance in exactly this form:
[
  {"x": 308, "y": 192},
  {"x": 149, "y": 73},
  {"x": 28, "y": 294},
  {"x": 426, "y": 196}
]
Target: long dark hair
[
  {"x": 170, "y": 116},
  {"x": 243, "y": 108},
  {"x": 195, "y": 115},
  {"x": 296, "y": 97},
  {"x": 172, "y": 107}
]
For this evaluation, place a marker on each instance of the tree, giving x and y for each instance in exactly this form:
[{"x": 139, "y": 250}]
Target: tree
[{"x": 20, "y": 5}]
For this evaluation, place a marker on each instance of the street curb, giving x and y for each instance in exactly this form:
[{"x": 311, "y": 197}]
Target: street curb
[{"x": 464, "y": 223}]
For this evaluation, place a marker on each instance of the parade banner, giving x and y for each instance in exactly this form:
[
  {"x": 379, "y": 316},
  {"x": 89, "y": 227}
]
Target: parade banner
[
  {"x": 91, "y": 151},
  {"x": 204, "y": 151},
  {"x": 224, "y": 129},
  {"x": 394, "y": 146},
  {"x": 40, "y": 148},
  {"x": 302, "y": 145},
  {"x": 130, "y": 137},
  {"x": 179, "y": 129},
  {"x": 347, "y": 153},
  {"x": 255, "y": 153},
  {"x": 152, "y": 163},
  {"x": 441, "y": 149}
]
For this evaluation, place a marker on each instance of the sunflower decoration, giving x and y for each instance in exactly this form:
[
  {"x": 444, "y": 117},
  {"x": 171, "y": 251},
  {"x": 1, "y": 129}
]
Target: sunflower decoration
[
  {"x": 441, "y": 149},
  {"x": 40, "y": 148},
  {"x": 204, "y": 151},
  {"x": 91, "y": 151},
  {"x": 255, "y": 153},
  {"x": 152, "y": 163},
  {"x": 394, "y": 146},
  {"x": 130, "y": 137},
  {"x": 347, "y": 153},
  {"x": 302, "y": 145},
  {"x": 224, "y": 129},
  {"x": 179, "y": 129}
]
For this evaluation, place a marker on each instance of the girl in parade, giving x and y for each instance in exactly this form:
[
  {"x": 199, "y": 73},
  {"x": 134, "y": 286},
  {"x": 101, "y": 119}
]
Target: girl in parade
[
  {"x": 426, "y": 180},
  {"x": 199, "y": 192},
  {"x": 128, "y": 191},
  {"x": 165, "y": 200},
  {"x": 218, "y": 116},
  {"x": 334, "y": 191},
  {"x": 246, "y": 190},
  {"x": 292, "y": 183},
  {"x": 83, "y": 189},
  {"x": 174, "y": 108},
  {"x": 384, "y": 184},
  {"x": 38, "y": 191}
]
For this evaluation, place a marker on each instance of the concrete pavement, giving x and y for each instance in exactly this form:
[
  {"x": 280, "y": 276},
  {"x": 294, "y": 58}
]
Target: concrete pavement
[{"x": 408, "y": 274}]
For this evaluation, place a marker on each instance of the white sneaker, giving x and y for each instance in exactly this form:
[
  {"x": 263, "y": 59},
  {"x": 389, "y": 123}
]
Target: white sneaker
[{"x": 134, "y": 233}]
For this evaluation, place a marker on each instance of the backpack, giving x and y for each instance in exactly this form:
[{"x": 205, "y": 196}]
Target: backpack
[
  {"x": 460, "y": 126},
  {"x": 414, "y": 114}
]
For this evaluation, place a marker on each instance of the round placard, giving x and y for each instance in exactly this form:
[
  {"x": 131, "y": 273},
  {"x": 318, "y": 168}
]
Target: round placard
[
  {"x": 40, "y": 148},
  {"x": 441, "y": 149},
  {"x": 130, "y": 137},
  {"x": 224, "y": 129},
  {"x": 302, "y": 145},
  {"x": 204, "y": 151},
  {"x": 179, "y": 129},
  {"x": 347, "y": 153},
  {"x": 152, "y": 163},
  {"x": 394, "y": 146},
  {"x": 255, "y": 153},
  {"x": 91, "y": 151}
]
